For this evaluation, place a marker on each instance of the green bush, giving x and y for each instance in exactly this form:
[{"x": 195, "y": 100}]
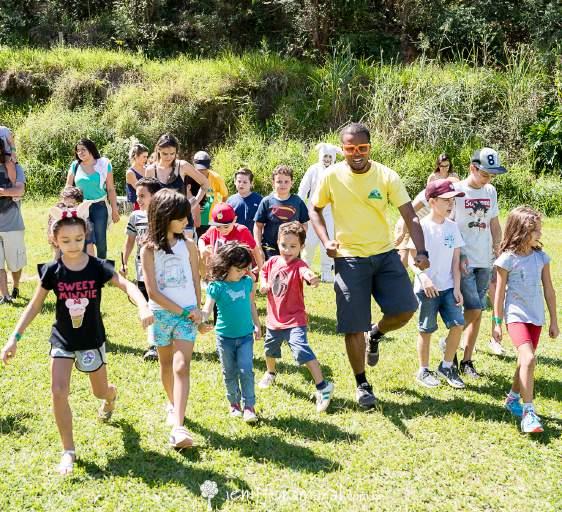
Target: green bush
[{"x": 545, "y": 138}]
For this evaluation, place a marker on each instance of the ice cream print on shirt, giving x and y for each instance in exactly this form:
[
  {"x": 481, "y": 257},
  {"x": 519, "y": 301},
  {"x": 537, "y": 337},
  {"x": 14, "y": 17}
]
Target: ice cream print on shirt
[
  {"x": 171, "y": 274},
  {"x": 478, "y": 210},
  {"x": 77, "y": 309}
]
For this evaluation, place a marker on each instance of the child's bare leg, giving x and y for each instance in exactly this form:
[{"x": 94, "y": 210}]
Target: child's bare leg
[
  {"x": 423, "y": 349},
  {"x": 183, "y": 351},
  {"x": 166, "y": 358},
  {"x": 472, "y": 319},
  {"x": 61, "y": 370},
  {"x": 315, "y": 370},
  {"x": 526, "y": 359},
  {"x": 452, "y": 343},
  {"x": 271, "y": 364},
  {"x": 100, "y": 387},
  {"x": 516, "y": 385}
]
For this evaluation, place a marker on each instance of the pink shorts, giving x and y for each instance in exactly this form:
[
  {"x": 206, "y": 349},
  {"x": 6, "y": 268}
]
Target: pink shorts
[{"x": 521, "y": 333}]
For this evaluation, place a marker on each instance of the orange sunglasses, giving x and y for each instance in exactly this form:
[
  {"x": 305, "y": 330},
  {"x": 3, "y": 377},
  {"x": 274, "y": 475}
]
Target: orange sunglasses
[{"x": 351, "y": 149}]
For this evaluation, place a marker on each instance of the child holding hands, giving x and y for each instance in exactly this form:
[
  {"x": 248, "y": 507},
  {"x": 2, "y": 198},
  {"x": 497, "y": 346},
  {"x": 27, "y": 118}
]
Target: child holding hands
[
  {"x": 232, "y": 290},
  {"x": 523, "y": 276},
  {"x": 281, "y": 278},
  {"x": 78, "y": 334}
]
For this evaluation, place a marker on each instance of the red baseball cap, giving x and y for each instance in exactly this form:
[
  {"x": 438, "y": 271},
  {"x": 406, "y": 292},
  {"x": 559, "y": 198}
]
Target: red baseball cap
[
  {"x": 222, "y": 214},
  {"x": 442, "y": 188}
]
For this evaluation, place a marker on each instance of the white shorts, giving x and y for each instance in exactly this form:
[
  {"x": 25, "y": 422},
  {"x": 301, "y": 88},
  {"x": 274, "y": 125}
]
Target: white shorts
[
  {"x": 12, "y": 250},
  {"x": 85, "y": 360}
]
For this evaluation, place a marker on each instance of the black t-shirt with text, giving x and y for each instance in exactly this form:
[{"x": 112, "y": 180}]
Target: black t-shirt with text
[{"x": 78, "y": 323}]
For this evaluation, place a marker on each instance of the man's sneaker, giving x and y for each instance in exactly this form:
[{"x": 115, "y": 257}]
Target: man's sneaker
[
  {"x": 451, "y": 375},
  {"x": 170, "y": 416},
  {"x": 6, "y": 300},
  {"x": 250, "y": 415},
  {"x": 15, "y": 293},
  {"x": 365, "y": 396},
  {"x": 496, "y": 348},
  {"x": 267, "y": 380},
  {"x": 531, "y": 423},
  {"x": 467, "y": 368},
  {"x": 151, "y": 354},
  {"x": 372, "y": 349},
  {"x": 442, "y": 344},
  {"x": 427, "y": 378},
  {"x": 235, "y": 411},
  {"x": 324, "y": 396},
  {"x": 513, "y": 405}
]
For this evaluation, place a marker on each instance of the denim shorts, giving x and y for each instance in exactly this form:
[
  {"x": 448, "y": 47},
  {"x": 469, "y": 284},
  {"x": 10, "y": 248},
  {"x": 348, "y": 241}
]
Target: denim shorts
[
  {"x": 384, "y": 277},
  {"x": 295, "y": 337},
  {"x": 170, "y": 326},
  {"x": 474, "y": 286},
  {"x": 444, "y": 304}
]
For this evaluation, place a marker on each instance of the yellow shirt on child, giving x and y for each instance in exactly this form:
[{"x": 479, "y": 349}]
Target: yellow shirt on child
[{"x": 360, "y": 207}]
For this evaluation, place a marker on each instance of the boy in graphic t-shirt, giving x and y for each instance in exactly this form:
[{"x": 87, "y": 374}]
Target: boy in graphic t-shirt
[
  {"x": 477, "y": 216},
  {"x": 281, "y": 278},
  {"x": 277, "y": 208}
]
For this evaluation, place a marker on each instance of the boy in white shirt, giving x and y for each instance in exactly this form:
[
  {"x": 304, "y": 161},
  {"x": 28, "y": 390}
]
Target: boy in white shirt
[{"x": 438, "y": 287}]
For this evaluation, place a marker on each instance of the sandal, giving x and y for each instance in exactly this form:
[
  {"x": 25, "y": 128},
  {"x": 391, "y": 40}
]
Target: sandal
[
  {"x": 107, "y": 407},
  {"x": 180, "y": 438},
  {"x": 67, "y": 460}
]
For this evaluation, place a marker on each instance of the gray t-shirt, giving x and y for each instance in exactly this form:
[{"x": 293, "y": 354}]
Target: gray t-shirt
[
  {"x": 524, "y": 298},
  {"x": 137, "y": 227},
  {"x": 10, "y": 218}
]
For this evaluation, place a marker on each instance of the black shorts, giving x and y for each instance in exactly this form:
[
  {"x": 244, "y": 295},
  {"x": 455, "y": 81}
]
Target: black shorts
[{"x": 381, "y": 276}]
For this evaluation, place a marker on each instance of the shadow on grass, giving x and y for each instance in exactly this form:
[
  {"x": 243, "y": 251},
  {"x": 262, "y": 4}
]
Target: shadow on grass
[
  {"x": 335, "y": 404},
  {"x": 14, "y": 424},
  {"x": 312, "y": 430},
  {"x": 501, "y": 384},
  {"x": 321, "y": 324},
  {"x": 283, "y": 367},
  {"x": 156, "y": 469},
  {"x": 546, "y": 360},
  {"x": 267, "y": 447},
  {"x": 435, "y": 407},
  {"x": 111, "y": 346}
]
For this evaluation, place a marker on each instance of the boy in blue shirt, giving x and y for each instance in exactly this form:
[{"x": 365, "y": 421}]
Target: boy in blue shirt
[
  {"x": 245, "y": 202},
  {"x": 277, "y": 208}
]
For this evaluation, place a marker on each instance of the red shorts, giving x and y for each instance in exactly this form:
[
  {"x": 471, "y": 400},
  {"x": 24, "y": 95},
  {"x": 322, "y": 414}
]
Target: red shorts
[{"x": 521, "y": 333}]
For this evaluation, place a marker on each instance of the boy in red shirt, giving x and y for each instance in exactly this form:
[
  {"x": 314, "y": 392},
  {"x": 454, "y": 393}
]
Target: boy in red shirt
[
  {"x": 281, "y": 278},
  {"x": 224, "y": 228}
]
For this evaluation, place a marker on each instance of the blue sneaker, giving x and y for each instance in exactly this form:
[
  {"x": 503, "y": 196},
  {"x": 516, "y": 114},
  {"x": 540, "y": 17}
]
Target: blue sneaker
[
  {"x": 514, "y": 407},
  {"x": 531, "y": 423}
]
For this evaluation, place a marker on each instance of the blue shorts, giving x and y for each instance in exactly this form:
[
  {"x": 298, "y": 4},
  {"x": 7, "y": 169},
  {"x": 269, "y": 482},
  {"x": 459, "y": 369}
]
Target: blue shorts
[
  {"x": 295, "y": 337},
  {"x": 170, "y": 326},
  {"x": 444, "y": 304},
  {"x": 474, "y": 287},
  {"x": 357, "y": 279}
]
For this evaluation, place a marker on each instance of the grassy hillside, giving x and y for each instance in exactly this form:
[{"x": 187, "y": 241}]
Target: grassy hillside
[{"x": 260, "y": 109}]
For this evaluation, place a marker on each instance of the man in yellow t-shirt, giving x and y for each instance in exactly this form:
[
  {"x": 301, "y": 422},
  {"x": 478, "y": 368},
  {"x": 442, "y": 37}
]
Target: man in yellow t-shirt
[
  {"x": 216, "y": 193},
  {"x": 359, "y": 191}
]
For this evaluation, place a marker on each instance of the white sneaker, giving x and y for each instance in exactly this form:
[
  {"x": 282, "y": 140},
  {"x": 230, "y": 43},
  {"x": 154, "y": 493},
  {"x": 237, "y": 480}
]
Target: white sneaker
[
  {"x": 323, "y": 397},
  {"x": 496, "y": 348},
  {"x": 267, "y": 380},
  {"x": 442, "y": 344},
  {"x": 170, "y": 416},
  {"x": 250, "y": 415}
]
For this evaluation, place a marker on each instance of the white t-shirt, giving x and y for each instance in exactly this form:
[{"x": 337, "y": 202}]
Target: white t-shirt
[
  {"x": 441, "y": 240},
  {"x": 173, "y": 276},
  {"x": 473, "y": 213}
]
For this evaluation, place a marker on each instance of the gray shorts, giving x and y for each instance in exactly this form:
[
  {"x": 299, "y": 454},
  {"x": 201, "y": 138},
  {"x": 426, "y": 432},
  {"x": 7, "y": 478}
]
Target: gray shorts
[
  {"x": 87, "y": 361},
  {"x": 381, "y": 276}
]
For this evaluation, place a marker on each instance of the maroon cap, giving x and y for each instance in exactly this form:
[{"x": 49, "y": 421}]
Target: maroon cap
[
  {"x": 223, "y": 213},
  {"x": 441, "y": 188}
]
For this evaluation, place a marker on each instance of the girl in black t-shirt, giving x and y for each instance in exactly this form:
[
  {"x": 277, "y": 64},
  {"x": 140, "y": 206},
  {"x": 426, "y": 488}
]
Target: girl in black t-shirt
[{"x": 78, "y": 334}]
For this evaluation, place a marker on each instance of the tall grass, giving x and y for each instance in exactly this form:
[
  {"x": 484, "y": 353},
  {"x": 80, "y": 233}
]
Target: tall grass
[{"x": 259, "y": 109}]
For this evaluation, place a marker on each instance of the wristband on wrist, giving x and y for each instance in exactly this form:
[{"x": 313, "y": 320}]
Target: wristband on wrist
[
  {"x": 497, "y": 320},
  {"x": 17, "y": 336}
]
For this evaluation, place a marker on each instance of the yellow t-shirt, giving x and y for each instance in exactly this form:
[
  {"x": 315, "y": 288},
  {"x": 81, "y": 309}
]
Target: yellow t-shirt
[
  {"x": 217, "y": 193},
  {"x": 359, "y": 207}
]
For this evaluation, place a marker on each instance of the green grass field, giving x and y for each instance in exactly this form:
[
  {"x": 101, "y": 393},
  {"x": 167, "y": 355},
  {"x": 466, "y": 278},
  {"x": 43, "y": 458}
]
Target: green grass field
[{"x": 421, "y": 449}]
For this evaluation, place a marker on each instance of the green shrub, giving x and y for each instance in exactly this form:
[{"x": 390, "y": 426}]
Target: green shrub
[{"x": 545, "y": 138}]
